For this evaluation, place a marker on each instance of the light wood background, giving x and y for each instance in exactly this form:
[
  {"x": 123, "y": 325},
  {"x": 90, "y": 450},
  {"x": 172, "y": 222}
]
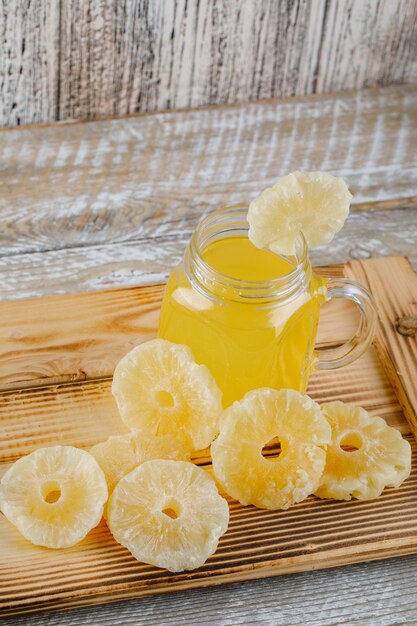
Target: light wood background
[
  {"x": 108, "y": 204},
  {"x": 62, "y": 59}
]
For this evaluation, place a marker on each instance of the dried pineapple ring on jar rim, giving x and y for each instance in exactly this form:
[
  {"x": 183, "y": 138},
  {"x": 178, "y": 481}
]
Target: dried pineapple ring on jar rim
[
  {"x": 248, "y": 425},
  {"x": 315, "y": 204},
  {"x": 366, "y": 455},
  {"x": 168, "y": 514},
  {"x": 54, "y": 496}
]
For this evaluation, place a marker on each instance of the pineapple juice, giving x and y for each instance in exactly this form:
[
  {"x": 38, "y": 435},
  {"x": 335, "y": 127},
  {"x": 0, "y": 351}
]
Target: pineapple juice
[{"x": 228, "y": 314}]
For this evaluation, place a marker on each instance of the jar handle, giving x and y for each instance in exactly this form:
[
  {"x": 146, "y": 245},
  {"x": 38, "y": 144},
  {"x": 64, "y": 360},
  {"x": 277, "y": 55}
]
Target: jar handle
[{"x": 329, "y": 359}]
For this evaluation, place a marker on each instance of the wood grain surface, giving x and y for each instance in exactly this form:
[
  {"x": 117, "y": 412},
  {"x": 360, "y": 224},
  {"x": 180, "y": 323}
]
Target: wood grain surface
[
  {"x": 65, "y": 340},
  {"x": 83, "y": 338},
  {"x": 369, "y": 594},
  {"x": 89, "y": 58},
  {"x": 311, "y": 535},
  {"x": 373, "y": 594},
  {"x": 394, "y": 287},
  {"x": 95, "y": 205}
]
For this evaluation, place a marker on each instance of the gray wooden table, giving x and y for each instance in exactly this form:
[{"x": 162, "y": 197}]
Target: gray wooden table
[{"x": 97, "y": 205}]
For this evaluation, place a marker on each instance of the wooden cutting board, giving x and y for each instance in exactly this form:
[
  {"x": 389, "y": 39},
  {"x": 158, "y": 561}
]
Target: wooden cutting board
[{"x": 57, "y": 358}]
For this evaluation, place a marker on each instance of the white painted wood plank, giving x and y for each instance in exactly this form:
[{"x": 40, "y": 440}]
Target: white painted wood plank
[
  {"x": 352, "y": 29},
  {"x": 149, "y": 261},
  {"x": 29, "y": 60},
  {"x": 153, "y": 176},
  {"x": 89, "y": 58}
]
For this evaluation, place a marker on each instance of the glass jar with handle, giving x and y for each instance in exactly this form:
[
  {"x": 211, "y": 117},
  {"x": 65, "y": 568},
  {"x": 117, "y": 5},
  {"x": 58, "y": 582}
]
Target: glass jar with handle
[{"x": 251, "y": 316}]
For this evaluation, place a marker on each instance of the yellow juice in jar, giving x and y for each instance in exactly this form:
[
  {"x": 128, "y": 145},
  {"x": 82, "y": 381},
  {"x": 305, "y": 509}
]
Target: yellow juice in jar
[{"x": 247, "y": 341}]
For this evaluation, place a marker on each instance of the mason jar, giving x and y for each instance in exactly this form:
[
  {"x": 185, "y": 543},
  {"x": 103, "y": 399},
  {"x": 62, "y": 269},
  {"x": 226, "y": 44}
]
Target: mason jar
[{"x": 251, "y": 316}]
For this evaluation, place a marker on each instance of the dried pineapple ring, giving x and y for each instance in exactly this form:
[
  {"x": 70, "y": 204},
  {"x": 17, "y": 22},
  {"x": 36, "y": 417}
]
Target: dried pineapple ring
[
  {"x": 248, "y": 425},
  {"x": 118, "y": 455},
  {"x": 314, "y": 203},
  {"x": 168, "y": 514},
  {"x": 160, "y": 390},
  {"x": 54, "y": 496},
  {"x": 366, "y": 455}
]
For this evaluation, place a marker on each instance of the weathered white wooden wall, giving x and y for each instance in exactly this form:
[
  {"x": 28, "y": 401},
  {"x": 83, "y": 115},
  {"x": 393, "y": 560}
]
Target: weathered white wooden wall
[{"x": 62, "y": 59}]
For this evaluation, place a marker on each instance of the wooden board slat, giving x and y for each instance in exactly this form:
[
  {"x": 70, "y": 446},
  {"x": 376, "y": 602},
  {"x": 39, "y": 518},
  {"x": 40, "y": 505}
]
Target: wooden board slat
[
  {"x": 313, "y": 534},
  {"x": 82, "y": 337},
  {"x": 73, "y": 339},
  {"x": 394, "y": 285}
]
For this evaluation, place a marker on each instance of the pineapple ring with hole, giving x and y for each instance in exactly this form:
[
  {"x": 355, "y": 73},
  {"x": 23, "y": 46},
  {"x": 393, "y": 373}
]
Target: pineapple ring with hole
[
  {"x": 54, "y": 496},
  {"x": 366, "y": 455},
  {"x": 168, "y": 514},
  {"x": 313, "y": 203},
  {"x": 120, "y": 454},
  {"x": 248, "y": 425},
  {"x": 160, "y": 390}
]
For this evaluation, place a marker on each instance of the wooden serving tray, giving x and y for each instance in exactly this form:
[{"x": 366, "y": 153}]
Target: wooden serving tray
[{"x": 58, "y": 355}]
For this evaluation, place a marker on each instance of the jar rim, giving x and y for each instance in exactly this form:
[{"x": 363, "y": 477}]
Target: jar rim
[{"x": 233, "y": 219}]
